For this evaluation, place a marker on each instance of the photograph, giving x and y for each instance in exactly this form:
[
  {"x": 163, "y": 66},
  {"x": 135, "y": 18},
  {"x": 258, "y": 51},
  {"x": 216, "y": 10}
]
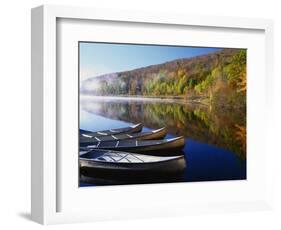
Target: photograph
[{"x": 158, "y": 113}]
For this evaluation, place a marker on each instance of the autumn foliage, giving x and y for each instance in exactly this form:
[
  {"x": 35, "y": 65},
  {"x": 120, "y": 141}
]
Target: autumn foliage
[{"x": 218, "y": 78}]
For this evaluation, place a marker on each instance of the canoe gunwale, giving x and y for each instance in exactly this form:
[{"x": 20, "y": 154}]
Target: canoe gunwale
[
  {"x": 150, "y": 135},
  {"x": 171, "y": 158}
]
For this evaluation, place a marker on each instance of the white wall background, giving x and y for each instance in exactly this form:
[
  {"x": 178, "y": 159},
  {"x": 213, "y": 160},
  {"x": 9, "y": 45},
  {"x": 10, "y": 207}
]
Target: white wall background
[{"x": 15, "y": 112}]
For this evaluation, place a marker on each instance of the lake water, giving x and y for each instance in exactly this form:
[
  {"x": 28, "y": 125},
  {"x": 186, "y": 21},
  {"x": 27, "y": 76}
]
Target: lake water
[{"x": 215, "y": 139}]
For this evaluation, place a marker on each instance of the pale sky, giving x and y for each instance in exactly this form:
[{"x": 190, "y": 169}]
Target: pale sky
[{"x": 102, "y": 58}]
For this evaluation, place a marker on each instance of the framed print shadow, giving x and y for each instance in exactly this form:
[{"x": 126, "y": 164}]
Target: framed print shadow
[
  {"x": 158, "y": 113},
  {"x": 152, "y": 109}
]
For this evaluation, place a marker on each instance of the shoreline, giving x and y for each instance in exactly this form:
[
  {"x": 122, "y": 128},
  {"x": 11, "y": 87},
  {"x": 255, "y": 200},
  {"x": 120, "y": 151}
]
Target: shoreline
[
  {"x": 135, "y": 96},
  {"x": 168, "y": 99},
  {"x": 195, "y": 100}
]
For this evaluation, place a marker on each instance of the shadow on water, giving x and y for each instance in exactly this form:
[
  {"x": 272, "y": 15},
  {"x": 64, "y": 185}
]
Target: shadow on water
[
  {"x": 215, "y": 138},
  {"x": 105, "y": 178}
]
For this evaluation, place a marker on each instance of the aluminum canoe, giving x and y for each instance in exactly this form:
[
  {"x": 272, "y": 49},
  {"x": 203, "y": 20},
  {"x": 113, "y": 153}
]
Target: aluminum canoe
[
  {"x": 119, "y": 162},
  {"x": 131, "y": 129},
  {"x": 166, "y": 147},
  {"x": 151, "y": 135}
]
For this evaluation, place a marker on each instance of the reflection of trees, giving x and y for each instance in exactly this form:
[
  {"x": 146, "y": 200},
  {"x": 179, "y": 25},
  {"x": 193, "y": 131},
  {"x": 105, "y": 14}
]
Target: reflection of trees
[
  {"x": 241, "y": 137},
  {"x": 224, "y": 128}
]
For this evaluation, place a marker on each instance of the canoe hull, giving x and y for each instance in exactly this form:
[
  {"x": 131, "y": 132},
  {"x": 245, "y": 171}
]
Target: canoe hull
[
  {"x": 172, "y": 147},
  {"x": 152, "y": 135},
  {"x": 132, "y": 129},
  {"x": 155, "y": 136},
  {"x": 172, "y": 166},
  {"x": 166, "y": 149}
]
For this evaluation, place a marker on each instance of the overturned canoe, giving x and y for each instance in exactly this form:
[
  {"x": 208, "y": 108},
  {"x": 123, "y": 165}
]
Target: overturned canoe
[
  {"x": 124, "y": 162},
  {"x": 151, "y": 135},
  {"x": 131, "y": 129},
  {"x": 158, "y": 147}
]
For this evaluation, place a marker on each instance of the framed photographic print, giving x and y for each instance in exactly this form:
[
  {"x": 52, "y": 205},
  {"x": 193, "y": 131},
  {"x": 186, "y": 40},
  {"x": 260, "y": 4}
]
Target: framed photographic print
[
  {"x": 138, "y": 114},
  {"x": 181, "y": 109}
]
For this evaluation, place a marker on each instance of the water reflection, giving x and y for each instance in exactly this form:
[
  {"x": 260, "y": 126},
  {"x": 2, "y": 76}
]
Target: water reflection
[
  {"x": 219, "y": 127},
  {"x": 98, "y": 178}
]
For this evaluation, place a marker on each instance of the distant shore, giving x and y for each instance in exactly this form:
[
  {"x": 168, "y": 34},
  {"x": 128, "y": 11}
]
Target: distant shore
[{"x": 167, "y": 99}]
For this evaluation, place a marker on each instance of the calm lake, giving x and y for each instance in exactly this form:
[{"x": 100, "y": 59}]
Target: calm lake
[{"x": 215, "y": 139}]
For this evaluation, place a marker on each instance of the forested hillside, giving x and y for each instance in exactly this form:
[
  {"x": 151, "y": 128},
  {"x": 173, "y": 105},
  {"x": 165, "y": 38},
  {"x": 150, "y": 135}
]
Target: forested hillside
[{"x": 218, "y": 78}]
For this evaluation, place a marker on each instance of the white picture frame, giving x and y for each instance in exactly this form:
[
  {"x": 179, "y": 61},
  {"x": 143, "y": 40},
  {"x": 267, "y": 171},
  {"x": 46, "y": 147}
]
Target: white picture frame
[{"x": 46, "y": 182}]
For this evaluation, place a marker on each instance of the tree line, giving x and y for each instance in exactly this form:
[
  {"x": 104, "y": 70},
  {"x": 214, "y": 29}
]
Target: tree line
[{"x": 220, "y": 77}]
